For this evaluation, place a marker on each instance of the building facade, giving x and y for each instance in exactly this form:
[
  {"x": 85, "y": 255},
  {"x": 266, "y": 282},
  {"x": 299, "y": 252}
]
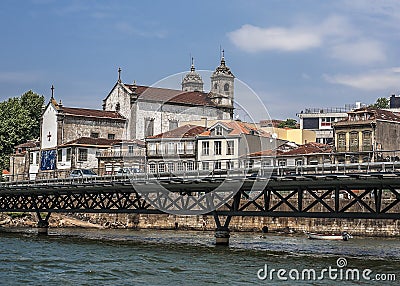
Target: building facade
[
  {"x": 173, "y": 151},
  {"x": 365, "y": 132}
]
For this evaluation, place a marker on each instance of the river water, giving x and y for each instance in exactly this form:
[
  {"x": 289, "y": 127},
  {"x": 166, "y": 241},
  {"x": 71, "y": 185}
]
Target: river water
[{"x": 149, "y": 257}]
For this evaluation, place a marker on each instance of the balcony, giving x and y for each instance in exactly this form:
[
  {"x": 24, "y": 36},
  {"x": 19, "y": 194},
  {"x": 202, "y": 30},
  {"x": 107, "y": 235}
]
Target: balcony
[
  {"x": 120, "y": 154},
  {"x": 366, "y": 147}
]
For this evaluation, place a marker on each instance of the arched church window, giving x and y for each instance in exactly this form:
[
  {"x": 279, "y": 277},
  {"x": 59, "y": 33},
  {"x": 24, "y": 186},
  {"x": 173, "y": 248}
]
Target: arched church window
[
  {"x": 215, "y": 85},
  {"x": 226, "y": 87}
]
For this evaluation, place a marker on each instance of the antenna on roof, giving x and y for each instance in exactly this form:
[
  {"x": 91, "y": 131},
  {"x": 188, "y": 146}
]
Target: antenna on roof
[{"x": 52, "y": 91}]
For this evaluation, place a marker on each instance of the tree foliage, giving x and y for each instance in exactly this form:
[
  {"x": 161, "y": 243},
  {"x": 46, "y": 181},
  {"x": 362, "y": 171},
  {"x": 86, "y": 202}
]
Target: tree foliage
[
  {"x": 381, "y": 103},
  {"x": 289, "y": 123},
  {"x": 19, "y": 122}
]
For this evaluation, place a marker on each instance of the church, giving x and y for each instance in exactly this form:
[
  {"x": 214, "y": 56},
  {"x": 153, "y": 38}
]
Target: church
[
  {"x": 73, "y": 137},
  {"x": 150, "y": 110}
]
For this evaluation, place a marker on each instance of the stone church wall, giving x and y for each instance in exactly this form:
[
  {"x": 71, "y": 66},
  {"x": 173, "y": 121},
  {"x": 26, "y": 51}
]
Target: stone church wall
[
  {"x": 162, "y": 114},
  {"x": 75, "y": 127}
]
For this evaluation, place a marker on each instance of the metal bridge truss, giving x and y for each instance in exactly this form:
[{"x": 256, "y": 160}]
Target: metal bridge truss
[{"x": 357, "y": 195}]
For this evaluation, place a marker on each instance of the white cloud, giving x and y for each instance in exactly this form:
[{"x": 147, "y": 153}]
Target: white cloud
[
  {"x": 360, "y": 52},
  {"x": 387, "y": 8},
  {"x": 374, "y": 80},
  {"x": 335, "y": 34},
  {"x": 254, "y": 39}
]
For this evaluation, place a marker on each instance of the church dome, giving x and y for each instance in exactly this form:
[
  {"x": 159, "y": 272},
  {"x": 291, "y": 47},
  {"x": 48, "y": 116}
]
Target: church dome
[{"x": 192, "y": 81}]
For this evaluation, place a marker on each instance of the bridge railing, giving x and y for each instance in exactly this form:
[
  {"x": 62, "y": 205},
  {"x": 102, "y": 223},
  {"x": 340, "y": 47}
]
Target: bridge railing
[{"x": 237, "y": 173}]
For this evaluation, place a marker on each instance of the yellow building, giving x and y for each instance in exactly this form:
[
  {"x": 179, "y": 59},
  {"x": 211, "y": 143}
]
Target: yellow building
[{"x": 298, "y": 136}]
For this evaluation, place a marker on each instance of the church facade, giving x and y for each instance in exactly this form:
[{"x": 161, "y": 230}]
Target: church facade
[{"x": 151, "y": 110}]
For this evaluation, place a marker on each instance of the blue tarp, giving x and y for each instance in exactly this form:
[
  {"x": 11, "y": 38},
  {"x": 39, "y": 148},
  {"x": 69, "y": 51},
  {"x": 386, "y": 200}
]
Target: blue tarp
[{"x": 48, "y": 160}]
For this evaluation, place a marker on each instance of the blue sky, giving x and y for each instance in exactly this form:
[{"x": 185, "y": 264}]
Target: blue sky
[{"x": 293, "y": 54}]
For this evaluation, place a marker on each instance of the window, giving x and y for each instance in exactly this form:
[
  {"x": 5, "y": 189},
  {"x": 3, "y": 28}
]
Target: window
[
  {"x": 173, "y": 124},
  {"x": 281, "y": 163},
  {"x": 226, "y": 87},
  {"x": 152, "y": 149},
  {"x": 327, "y": 121},
  {"x": 229, "y": 165},
  {"x": 299, "y": 162},
  {"x": 353, "y": 141},
  {"x": 230, "y": 147},
  {"x": 249, "y": 164},
  {"x": 180, "y": 166},
  {"x": 161, "y": 167},
  {"x": 68, "y": 154},
  {"x": 31, "y": 158},
  {"x": 366, "y": 141},
  {"x": 111, "y": 136},
  {"x": 218, "y": 130},
  {"x": 205, "y": 148},
  {"x": 190, "y": 165},
  {"x": 59, "y": 155},
  {"x": 217, "y": 147},
  {"x": 94, "y": 134},
  {"x": 266, "y": 163},
  {"x": 341, "y": 142},
  {"x": 149, "y": 127},
  {"x": 189, "y": 148},
  {"x": 215, "y": 85},
  {"x": 181, "y": 148},
  {"x": 152, "y": 168},
  {"x": 171, "y": 148},
  {"x": 171, "y": 167},
  {"x": 161, "y": 148},
  {"x": 131, "y": 149},
  {"x": 205, "y": 165},
  {"x": 118, "y": 107},
  {"x": 82, "y": 154},
  {"x": 217, "y": 165}
]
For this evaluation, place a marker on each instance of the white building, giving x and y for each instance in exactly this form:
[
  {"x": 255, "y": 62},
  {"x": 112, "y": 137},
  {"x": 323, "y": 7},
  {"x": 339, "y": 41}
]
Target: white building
[
  {"x": 320, "y": 120},
  {"x": 226, "y": 143}
]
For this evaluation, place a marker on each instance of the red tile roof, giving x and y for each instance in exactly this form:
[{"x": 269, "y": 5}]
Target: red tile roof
[
  {"x": 185, "y": 131},
  {"x": 239, "y": 127},
  {"x": 375, "y": 114},
  {"x": 270, "y": 123},
  {"x": 266, "y": 153},
  {"x": 171, "y": 95},
  {"x": 310, "y": 148},
  {"x": 92, "y": 113},
  {"x": 89, "y": 141},
  {"x": 29, "y": 144}
]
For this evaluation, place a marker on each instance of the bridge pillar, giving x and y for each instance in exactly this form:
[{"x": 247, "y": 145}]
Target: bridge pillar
[
  {"x": 222, "y": 235},
  {"x": 43, "y": 224},
  {"x": 43, "y": 227}
]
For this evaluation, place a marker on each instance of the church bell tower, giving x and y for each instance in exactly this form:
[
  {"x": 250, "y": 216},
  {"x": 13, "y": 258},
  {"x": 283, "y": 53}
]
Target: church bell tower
[{"x": 222, "y": 86}]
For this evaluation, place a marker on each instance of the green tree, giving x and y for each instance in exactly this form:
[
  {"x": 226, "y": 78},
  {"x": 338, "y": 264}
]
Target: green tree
[
  {"x": 19, "y": 122},
  {"x": 289, "y": 123},
  {"x": 381, "y": 103}
]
